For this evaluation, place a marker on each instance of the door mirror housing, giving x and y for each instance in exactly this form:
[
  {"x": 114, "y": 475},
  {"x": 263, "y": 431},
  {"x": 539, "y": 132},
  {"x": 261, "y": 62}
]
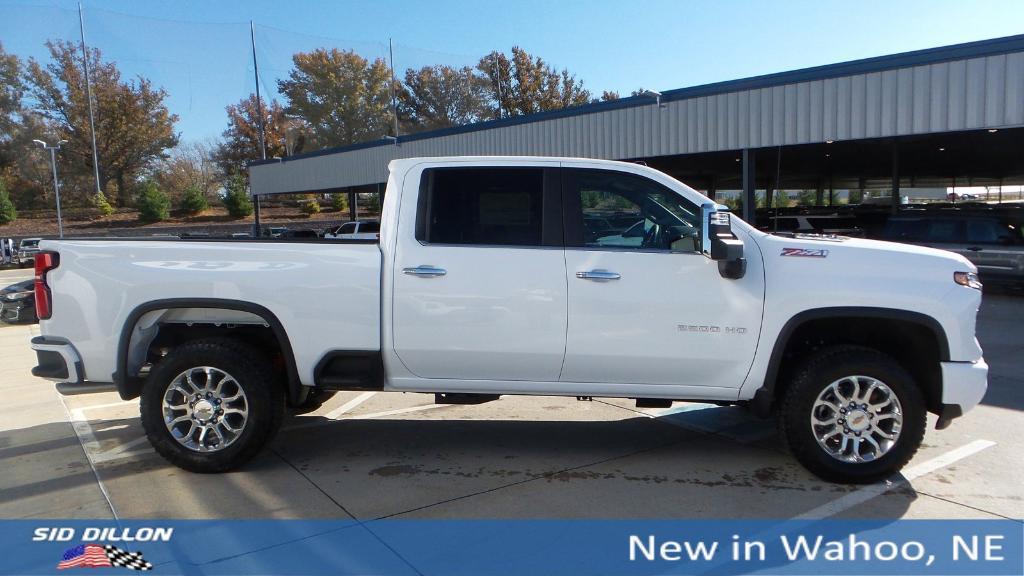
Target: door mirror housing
[{"x": 720, "y": 244}]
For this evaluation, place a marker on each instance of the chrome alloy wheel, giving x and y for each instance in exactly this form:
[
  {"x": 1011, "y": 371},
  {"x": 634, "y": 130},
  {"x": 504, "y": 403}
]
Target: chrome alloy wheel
[
  {"x": 857, "y": 419},
  {"x": 205, "y": 409}
]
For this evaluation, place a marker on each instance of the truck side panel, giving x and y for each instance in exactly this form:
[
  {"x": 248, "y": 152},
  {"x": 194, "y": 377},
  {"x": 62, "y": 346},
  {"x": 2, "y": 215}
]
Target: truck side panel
[{"x": 326, "y": 296}]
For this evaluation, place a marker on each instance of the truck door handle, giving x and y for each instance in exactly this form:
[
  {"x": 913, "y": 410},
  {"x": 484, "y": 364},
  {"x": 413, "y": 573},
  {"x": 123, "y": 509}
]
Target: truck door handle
[
  {"x": 425, "y": 271},
  {"x": 974, "y": 248},
  {"x": 598, "y": 275}
]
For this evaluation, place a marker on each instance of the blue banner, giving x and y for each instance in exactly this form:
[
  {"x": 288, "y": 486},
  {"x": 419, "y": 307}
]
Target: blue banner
[{"x": 513, "y": 547}]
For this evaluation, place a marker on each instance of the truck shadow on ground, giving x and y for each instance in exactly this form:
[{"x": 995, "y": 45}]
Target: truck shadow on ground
[{"x": 631, "y": 468}]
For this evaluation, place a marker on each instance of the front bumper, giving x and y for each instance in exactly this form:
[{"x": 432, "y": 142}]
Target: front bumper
[
  {"x": 58, "y": 360},
  {"x": 963, "y": 386}
]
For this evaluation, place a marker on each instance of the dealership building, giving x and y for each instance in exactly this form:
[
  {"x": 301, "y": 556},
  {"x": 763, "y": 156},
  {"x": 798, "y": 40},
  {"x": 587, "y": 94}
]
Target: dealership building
[{"x": 931, "y": 119}]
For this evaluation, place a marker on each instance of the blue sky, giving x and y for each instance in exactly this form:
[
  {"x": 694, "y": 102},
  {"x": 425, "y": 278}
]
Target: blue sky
[{"x": 199, "y": 50}]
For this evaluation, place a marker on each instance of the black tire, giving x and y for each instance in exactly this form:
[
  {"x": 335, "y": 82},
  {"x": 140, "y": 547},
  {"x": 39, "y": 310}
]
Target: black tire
[
  {"x": 265, "y": 403},
  {"x": 812, "y": 377}
]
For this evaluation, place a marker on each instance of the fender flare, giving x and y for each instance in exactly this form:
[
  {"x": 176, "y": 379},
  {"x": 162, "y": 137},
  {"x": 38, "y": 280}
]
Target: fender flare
[
  {"x": 130, "y": 387},
  {"x": 764, "y": 397}
]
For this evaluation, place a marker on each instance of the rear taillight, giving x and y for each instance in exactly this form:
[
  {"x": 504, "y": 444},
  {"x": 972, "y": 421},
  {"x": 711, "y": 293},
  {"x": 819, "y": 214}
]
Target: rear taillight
[{"x": 45, "y": 261}]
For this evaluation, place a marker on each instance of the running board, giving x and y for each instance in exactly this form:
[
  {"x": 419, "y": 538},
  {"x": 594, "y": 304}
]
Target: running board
[{"x": 461, "y": 398}]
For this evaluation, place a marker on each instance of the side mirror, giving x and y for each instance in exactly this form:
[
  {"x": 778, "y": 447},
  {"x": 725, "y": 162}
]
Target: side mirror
[{"x": 720, "y": 244}]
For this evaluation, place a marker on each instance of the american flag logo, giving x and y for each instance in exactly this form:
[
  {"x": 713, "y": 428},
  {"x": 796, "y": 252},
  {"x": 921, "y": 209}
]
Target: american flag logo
[{"x": 97, "y": 556}]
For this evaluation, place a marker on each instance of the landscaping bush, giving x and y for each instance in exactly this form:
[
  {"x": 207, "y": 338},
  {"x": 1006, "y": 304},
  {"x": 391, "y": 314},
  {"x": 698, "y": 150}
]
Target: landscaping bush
[
  {"x": 101, "y": 204},
  {"x": 194, "y": 201},
  {"x": 339, "y": 201},
  {"x": 236, "y": 198},
  {"x": 8, "y": 213},
  {"x": 153, "y": 203},
  {"x": 310, "y": 206}
]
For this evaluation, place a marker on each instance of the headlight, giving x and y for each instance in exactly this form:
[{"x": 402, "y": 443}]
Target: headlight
[
  {"x": 969, "y": 279},
  {"x": 18, "y": 295}
]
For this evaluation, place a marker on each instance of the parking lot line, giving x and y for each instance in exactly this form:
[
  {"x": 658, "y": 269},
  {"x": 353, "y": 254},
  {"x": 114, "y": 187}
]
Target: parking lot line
[
  {"x": 312, "y": 422},
  {"x": 90, "y": 446},
  {"x": 871, "y": 491},
  {"x": 349, "y": 405}
]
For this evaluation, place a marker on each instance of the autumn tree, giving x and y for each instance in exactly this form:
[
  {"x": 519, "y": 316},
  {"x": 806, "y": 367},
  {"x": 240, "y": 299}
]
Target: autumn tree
[
  {"x": 191, "y": 165},
  {"x": 524, "y": 84},
  {"x": 134, "y": 128},
  {"x": 436, "y": 97},
  {"x": 284, "y": 135},
  {"x": 11, "y": 90},
  {"x": 343, "y": 97}
]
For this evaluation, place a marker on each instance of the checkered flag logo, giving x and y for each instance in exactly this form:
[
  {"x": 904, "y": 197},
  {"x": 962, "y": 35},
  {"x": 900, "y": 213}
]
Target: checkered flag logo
[
  {"x": 124, "y": 559},
  {"x": 107, "y": 556}
]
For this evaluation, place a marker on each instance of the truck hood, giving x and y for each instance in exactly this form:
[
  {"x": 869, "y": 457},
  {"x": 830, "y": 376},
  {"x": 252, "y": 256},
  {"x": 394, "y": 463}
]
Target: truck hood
[{"x": 872, "y": 254}]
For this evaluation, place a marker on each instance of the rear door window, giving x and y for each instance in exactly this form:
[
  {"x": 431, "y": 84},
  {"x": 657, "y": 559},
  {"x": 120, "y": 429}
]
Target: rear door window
[{"x": 485, "y": 206}]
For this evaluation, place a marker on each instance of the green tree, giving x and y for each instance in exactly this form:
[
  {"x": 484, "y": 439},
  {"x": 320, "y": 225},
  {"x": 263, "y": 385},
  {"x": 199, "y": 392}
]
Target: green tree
[
  {"x": 342, "y": 97},
  {"x": 153, "y": 203},
  {"x": 807, "y": 198},
  {"x": 134, "y": 128},
  {"x": 236, "y": 197},
  {"x": 436, "y": 97},
  {"x": 524, "y": 84},
  {"x": 8, "y": 213},
  {"x": 194, "y": 201}
]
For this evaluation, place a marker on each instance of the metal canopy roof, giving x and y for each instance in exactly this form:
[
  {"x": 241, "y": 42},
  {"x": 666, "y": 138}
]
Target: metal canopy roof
[{"x": 952, "y": 88}]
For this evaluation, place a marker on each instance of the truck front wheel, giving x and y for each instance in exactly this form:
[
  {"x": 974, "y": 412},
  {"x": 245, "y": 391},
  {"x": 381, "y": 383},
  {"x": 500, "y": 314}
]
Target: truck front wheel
[
  {"x": 210, "y": 405},
  {"x": 852, "y": 414}
]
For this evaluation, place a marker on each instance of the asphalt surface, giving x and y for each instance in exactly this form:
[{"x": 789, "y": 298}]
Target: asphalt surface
[{"x": 379, "y": 455}]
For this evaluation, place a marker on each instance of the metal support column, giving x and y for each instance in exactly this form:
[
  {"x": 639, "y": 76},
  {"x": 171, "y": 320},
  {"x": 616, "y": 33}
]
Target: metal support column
[
  {"x": 712, "y": 187},
  {"x": 749, "y": 186},
  {"x": 895, "y": 177}
]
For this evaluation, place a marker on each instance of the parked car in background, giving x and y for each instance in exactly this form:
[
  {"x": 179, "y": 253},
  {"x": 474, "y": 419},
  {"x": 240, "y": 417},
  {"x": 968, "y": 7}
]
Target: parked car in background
[
  {"x": 27, "y": 250},
  {"x": 816, "y": 224},
  {"x": 992, "y": 243},
  {"x": 18, "y": 302},
  {"x": 275, "y": 231},
  {"x": 358, "y": 230},
  {"x": 305, "y": 234}
]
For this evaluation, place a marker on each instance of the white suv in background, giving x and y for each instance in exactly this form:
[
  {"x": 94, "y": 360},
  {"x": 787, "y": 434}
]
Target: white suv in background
[{"x": 358, "y": 230}]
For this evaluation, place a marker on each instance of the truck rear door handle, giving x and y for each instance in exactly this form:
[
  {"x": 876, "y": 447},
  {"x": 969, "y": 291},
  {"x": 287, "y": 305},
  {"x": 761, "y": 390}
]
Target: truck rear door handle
[
  {"x": 426, "y": 271},
  {"x": 598, "y": 275},
  {"x": 974, "y": 248}
]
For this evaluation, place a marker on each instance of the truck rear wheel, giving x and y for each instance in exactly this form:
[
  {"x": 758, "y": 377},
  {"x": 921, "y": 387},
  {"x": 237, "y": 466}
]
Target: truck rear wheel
[
  {"x": 210, "y": 405},
  {"x": 852, "y": 415}
]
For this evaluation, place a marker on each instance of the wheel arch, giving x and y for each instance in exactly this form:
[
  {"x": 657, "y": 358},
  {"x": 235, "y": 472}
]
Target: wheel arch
[
  {"x": 129, "y": 386},
  {"x": 765, "y": 397}
]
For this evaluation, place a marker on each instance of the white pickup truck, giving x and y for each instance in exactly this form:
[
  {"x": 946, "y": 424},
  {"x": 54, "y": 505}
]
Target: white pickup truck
[{"x": 540, "y": 276}]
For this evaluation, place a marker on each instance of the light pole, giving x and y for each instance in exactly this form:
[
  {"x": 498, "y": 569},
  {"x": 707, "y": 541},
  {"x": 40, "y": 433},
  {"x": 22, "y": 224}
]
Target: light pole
[{"x": 56, "y": 183}]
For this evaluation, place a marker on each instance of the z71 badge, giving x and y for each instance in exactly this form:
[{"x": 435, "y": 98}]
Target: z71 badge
[{"x": 805, "y": 252}]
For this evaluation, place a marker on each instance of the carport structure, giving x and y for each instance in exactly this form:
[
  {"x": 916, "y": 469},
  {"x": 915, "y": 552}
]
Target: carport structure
[{"x": 947, "y": 116}]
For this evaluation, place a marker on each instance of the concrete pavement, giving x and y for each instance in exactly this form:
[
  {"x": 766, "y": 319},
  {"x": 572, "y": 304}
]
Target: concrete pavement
[{"x": 368, "y": 456}]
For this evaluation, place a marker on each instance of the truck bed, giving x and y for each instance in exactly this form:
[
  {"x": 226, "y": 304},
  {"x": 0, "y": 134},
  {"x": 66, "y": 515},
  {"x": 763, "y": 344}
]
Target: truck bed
[{"x": 326, "y": 294}]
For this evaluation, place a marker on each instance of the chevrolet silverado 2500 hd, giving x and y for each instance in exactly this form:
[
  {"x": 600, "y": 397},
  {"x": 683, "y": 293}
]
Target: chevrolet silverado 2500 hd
[{"x": 539, "y": 276}]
